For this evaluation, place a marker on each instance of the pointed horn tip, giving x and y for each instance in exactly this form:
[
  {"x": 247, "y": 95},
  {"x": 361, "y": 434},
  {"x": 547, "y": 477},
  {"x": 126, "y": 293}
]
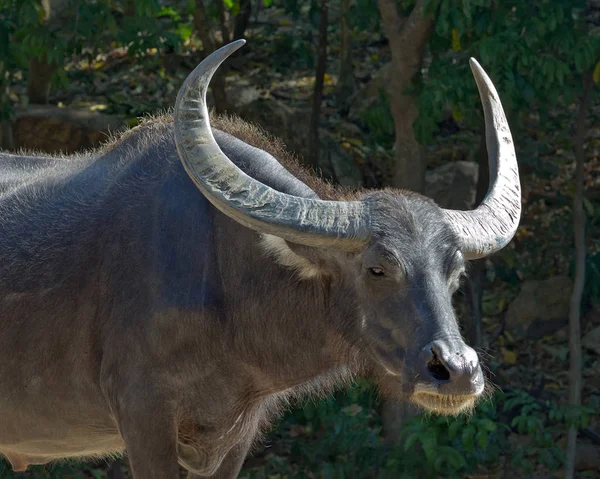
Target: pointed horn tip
[
  {"x": 232, "y": 47},
  {"x": 239, "y": 43},
  {"x": 473, "y": 62},
  {"x": 482, "y": 79},
  {"x": 207, "y": 68},
  {"x": 477, "y": 69},
  {"x": 214, "y": 60}
]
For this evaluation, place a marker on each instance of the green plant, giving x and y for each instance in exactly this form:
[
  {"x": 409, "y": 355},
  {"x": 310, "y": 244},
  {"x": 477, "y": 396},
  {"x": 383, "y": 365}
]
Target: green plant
[
  {"x": 378, "y": 121},
  {"x": 85, "y": 28},
  {"x": 442, "y": 447},
  {"x": 535, "y": 51},
  {"x": 63, "y": 470},
  {"x": 340, "y": 437}
]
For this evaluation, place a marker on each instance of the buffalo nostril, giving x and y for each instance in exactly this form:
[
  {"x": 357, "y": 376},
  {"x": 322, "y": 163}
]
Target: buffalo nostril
[{"x": 437, "y": 369}]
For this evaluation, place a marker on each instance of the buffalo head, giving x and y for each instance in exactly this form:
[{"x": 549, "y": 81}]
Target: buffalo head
[{"x": 394, "y": 257}]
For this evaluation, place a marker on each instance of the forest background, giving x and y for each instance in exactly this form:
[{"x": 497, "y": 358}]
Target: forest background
[{"x": 375, "y": 93}]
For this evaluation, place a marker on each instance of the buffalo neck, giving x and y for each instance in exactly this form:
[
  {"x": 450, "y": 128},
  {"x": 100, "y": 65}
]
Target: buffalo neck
[
  {"x": 210, "y": 285},
  {"x": 291, "y": 329}
]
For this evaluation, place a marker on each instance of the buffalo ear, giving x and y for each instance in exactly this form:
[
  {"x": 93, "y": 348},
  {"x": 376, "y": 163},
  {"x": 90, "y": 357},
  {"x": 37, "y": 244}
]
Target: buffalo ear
[{"x": 309, "y": 262}]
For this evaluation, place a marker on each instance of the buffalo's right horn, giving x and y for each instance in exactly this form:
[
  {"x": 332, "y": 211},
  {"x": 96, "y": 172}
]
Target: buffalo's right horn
[
  {"x": 492, "y": 225},
  {"x": 311, "y": 222}
]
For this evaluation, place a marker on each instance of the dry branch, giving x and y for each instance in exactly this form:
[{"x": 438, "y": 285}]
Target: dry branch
[{"x": 575, "y": 361}]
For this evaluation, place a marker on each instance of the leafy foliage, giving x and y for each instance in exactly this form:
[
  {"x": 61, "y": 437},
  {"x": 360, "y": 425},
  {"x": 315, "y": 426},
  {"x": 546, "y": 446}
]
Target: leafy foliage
[
  {"x": 341, "y": 436},
  {"x": 65, "y": 470},
  {"x": 25, "y": 33},
  {"x": 533, "y": 50},
  {"x": 378, "y": 121}
]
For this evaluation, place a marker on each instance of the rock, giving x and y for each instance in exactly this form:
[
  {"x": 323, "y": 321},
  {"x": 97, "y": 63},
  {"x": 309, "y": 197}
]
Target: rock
[
  {"x": 241, "y": 95},
  {"x": 51, "y": 129},
  {"x": 453, "y": 153},
  {"x": 332, "y": 156},
  {"x": 370, "y": 93},
  {"x": 453, "y": 185},
  {"x": 561, "y": 335},
  {"x": 511, "y": 374},
  {"x": 280, "y": 120},
  {"x": 587, "y": 457},
  {"x": 591, "y": 340},
  {"x": 546, "y": 300},
  {"x": 519, "y": 440},
  {"x": 546, "y": 327},
  {"x": 292, "y": 126},
  {"x": 348, "y": 129}
]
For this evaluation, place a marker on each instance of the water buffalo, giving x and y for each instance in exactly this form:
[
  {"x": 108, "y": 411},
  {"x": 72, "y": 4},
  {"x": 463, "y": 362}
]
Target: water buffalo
[{"x": 168, "y": 293}]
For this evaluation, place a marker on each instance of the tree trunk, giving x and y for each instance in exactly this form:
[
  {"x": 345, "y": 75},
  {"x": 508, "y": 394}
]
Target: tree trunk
[
  {"x": 313, "y": 146},
  {"x": 575, "y": 363},
  {"x": 407, "y": 39},
  {"x": 7, "y": 140},
  {"x": 223, "y": 22},
  {"x": 393, "y": 416},
  {"x": 346, "y": 81},
  {"x": 209, "y": 45},
  {"x": 475, "y": 300},
  {"x": 39, "y": 79},
  {"x": 6, "y": 132},
  {"x": 39, "y": 76},
  {"x": 115, "y": 471},
  {"x": 203, "y": 28},
  {"x": 129, "y": 9},
  {"x": 242, "y": 20},
  {"x": 477, "y": 270}
]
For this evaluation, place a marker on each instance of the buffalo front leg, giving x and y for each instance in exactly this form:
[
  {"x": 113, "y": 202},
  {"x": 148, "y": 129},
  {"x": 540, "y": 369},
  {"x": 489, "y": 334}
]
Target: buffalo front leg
[
  {"x": 232, "y": 463},
  {"x": 150, "y": 436}
]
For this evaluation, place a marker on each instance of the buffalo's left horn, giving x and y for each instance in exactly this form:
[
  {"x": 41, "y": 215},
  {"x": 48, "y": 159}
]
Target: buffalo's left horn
[
  {"x": 492, "y": 225},
  {"x": 311, "y": 222}
]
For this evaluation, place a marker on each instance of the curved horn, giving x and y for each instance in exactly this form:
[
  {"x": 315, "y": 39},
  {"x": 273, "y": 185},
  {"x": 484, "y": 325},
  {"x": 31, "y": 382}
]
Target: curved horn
[
  {"x": 492, "y": 225},
  {"x": 311, "y": 222}
]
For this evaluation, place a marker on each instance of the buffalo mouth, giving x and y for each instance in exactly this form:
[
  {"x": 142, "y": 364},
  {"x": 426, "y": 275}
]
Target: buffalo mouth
[{"x": 445, "y": 404}]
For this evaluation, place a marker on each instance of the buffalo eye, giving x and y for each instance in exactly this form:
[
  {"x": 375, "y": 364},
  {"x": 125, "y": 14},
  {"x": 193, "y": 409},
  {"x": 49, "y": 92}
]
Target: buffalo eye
[
  {"x": 457, "y": 269},
  {"x": 376, "y": 272},
  {"x": 456, "y": 264}
]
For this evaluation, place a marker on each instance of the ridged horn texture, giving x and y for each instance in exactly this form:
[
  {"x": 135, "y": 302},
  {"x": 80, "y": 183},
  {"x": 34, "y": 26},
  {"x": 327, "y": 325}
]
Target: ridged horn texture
[
  {"x": 492, "y": 225},
  {"x": 340, "y": 224}
]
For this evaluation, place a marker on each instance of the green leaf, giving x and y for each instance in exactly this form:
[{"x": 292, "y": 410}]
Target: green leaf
[
  {"x": 596, "y": 74},
  {"x": 455, "y": 40},
  {"x": 456, "y": 460},
  {"x": 468, "y": 436},
  {"x": 588, "y": 206},
  {"x": 410, "y": 441},
  {"x": 431, "y": 6},
  {"x": 429, "y": 443},
  {"x": 488, "y": 425},
  {"x": 481, "y": 438},
  {"x": 454, "y": 429},
  {"x": 467, "y": 8},
  {"x": 97, "y": 473}
]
